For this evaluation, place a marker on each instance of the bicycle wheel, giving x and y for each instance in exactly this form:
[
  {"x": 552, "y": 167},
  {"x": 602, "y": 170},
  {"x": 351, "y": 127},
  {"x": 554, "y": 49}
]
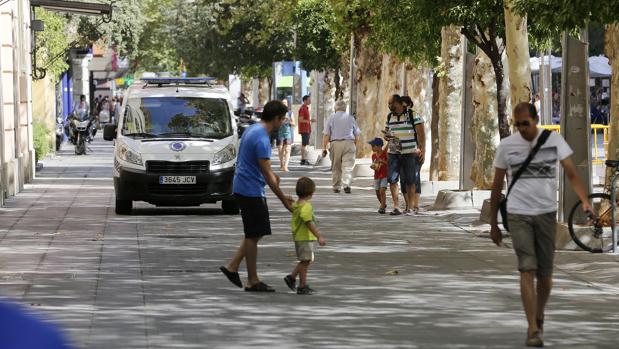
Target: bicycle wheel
[{"x": 595, "y": 235}]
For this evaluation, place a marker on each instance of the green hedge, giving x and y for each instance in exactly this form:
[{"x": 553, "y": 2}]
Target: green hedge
[{"x": 41, "y": 139}]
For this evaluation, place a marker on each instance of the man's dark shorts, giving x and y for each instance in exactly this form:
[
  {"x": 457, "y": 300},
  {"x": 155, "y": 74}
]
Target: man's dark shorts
[
  {"x": 255, "y": 214},
  {"x": 533, "y": 238},
  {"x": 305, "y": 138},
  {"x": 404, "y": 165}
]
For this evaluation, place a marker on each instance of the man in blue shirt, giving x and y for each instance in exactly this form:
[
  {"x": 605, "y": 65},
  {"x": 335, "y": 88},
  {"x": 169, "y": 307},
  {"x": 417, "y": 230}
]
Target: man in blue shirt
[
  {"x": 22, "y": 330},
  {"x": 253, "y": 171}
]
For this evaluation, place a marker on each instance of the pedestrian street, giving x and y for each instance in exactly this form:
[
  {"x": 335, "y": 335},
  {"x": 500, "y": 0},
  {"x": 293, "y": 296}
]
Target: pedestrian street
[{"x": 151, "y": 279}]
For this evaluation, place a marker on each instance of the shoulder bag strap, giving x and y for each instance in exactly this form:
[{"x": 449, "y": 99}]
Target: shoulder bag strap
[{"x": 542, "y": 139}]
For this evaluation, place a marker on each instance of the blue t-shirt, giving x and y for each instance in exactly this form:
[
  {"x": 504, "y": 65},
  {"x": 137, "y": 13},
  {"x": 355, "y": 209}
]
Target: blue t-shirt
[
  {"x": 255, "y": 145},
  {"x": 22, "y": 330}
]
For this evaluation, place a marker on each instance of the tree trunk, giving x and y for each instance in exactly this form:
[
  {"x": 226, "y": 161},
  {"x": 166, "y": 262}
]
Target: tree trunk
[
  {"x": 434, "y": 127},
  {"x": 339, "y": 94},
  {"x": 270, "y": 82},
  {"x": 517, "y": 48},
  {"x": 376, "y": 79},
  {"x": 328, "y": 95},
  {"x": 450, "y": 104},
  {"x": 503, "y": 121},
  {"x": 344, "y": 73},
  {"x": 484, "y": 125},
  {"x": 264, "y": 92},
  {"x": 612, "y": 52}
]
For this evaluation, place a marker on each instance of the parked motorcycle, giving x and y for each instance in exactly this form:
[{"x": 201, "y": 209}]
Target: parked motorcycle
[
  {"x": 245, "y": 119},
  {"x": 59, "y": 132}
]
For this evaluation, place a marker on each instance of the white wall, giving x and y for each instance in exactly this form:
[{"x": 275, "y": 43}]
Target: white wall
[{"x": 16, "y": 146}]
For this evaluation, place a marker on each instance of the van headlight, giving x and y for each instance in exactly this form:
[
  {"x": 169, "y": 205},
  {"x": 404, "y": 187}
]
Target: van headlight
[
  {"x": 227, "y": 154},
  {"x": 128, "y": 155}
]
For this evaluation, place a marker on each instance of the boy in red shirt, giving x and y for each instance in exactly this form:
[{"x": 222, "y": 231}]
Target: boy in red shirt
[{"x": 379, "y": 165}]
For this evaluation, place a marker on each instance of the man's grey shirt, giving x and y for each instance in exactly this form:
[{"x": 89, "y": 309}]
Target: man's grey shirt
[{"x": 341, "y": 126}]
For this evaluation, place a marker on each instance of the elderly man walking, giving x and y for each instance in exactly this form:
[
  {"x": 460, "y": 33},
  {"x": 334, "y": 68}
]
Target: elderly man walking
[{"x": 342, "y": 133}]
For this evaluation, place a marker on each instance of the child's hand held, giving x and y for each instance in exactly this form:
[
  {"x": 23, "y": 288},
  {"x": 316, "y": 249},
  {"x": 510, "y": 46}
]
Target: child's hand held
[{"x": 322, "y": 241}]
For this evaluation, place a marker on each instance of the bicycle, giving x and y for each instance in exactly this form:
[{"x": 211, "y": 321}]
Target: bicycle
[{"x": 596, "y": 234}]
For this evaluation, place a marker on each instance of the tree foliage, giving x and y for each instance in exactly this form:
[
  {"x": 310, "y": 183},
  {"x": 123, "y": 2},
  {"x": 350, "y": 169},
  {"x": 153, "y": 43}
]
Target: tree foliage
[
  {"x": 122, "y": 32},
  {"x": 157, "y": 48},
  {"x": 549, "y": 18},
  {"x": 221, "y": 37},
  {"x": 317, "y": 45},
  {"x": 396, "y": 30},
  {"x": 52, "y": 43}
]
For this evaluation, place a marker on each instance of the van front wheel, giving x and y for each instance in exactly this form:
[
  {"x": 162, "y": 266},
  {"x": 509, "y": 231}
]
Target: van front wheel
[
  {"x": 124, "y": 206},
  {"x": 229, "y": 206}
]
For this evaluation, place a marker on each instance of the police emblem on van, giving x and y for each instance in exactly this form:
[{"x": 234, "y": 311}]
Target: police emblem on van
[{"x": 177, "y": 146}]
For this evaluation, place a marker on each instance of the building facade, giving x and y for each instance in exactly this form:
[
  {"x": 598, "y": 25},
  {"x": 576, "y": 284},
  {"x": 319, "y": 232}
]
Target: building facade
[{"x": 16, "y": 146}]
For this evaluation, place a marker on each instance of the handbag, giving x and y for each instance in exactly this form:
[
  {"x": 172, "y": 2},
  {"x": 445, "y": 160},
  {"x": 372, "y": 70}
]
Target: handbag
[{"x": 503, "y": 204}]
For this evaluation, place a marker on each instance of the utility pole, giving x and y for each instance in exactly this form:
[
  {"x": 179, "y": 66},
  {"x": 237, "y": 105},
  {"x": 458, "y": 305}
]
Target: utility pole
[{"x": 575, "y": 117}]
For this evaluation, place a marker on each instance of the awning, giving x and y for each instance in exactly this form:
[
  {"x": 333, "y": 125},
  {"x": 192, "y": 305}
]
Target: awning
[
  {"x": 598, "y": 65},
  {"x": 77, "y": 7},
  {"x": 102, "y": 67}
]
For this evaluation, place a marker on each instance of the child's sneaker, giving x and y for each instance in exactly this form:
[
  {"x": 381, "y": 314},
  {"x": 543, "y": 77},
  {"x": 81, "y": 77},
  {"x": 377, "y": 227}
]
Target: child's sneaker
[
  {"x": 305, "y": 290},
  {"x": 291, "y": 282}
]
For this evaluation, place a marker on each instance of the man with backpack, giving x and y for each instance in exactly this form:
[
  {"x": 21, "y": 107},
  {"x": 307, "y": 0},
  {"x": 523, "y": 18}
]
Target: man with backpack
[
  {"x": 529, "y": 158},
  {"x": 406, "y": 136}
]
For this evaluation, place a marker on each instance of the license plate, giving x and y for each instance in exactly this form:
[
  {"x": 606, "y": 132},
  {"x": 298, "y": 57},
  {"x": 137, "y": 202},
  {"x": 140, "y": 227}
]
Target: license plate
[{"x": 177, "y": 179}]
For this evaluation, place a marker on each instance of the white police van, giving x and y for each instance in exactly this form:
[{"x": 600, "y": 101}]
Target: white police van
[{"x": 176, "y": 144}]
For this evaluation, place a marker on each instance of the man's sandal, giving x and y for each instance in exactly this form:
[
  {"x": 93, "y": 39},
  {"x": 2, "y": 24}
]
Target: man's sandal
[
  {"x": 535, "y": 340},
  {"x": 233, "y": 276}
]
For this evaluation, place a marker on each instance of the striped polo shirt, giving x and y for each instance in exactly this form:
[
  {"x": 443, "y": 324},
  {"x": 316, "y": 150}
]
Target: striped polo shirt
[{"x": 405, "y": 141}]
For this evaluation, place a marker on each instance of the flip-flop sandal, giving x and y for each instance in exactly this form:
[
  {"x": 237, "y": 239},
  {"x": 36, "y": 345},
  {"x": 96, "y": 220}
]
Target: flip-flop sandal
[
  {"x": 232, "y": 276},
  {"x": 260, "y": 287}
]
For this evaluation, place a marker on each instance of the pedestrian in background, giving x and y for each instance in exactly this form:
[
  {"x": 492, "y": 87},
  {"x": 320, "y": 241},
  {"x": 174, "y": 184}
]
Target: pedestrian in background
[
  {"x": 113, "y": 108},
  {"x": 408, "y": 103},
  {"x": 241, "y": 103},
  {"x": 532, "y": 207},
  {"x": 81, "y": 109},
  {"x": 341, "y": 135},
  {"x": 252, "y": 172},
  {"x": 392, "y": 148},
  {"x": 405, "y": 133},
  {"x": 379, "y": 165},
  {"x": 284, "y": 139},
  {"x": 305, "y": 127},
  {"x": 305, "y": 232}
]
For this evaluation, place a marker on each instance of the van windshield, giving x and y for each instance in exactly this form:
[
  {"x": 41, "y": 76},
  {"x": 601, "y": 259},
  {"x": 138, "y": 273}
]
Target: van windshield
[{"x": 177, "y": 117}]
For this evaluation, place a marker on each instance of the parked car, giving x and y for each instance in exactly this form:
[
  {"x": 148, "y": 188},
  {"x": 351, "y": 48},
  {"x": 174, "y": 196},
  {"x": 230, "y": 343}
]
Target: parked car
[{"x": 176, "y": 145}]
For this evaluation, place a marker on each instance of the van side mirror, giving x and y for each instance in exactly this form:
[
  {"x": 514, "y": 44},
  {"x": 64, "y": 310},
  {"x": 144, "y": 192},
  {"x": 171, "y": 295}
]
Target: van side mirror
[{"x": 109, "y": 132}]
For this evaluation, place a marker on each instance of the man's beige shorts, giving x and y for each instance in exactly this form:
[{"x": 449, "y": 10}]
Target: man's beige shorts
[
  {"x": 305, "y": 250},
  {"x": 534, "y": 241}
]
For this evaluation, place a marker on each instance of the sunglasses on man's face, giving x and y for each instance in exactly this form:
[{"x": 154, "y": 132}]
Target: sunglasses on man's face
[{"x": 524, "y": 123}]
